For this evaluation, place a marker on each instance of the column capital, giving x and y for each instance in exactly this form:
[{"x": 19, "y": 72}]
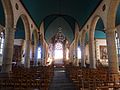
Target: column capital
[
  {"x": 28, "y": 41},
  {"x": 110, "y": 30},
  {"x": 10, "y": 28}
]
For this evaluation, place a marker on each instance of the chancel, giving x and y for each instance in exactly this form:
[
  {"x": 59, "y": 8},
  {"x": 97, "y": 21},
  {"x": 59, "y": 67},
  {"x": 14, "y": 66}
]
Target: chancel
[{"x": 59, "y": 44}]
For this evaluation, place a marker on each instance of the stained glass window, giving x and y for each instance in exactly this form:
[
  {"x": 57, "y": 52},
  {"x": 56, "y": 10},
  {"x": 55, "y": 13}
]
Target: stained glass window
[
  {"x": 58, "y": 51},
  {"x": 1, "y": 42},
  {"x": 39, "y": 53},
  {"x": 78, "y": 53},
  {"x": 117, "y": 43}
]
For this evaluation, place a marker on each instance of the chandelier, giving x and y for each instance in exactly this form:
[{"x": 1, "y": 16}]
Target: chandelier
[{"x": 59, "y": 37}]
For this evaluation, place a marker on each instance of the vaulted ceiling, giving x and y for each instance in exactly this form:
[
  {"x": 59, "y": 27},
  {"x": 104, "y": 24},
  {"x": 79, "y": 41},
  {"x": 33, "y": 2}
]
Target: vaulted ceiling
[
  {"x": 78, "y": 9},
  {"x": 60, "y": 13},
  {"x": 57, "y": 12}
]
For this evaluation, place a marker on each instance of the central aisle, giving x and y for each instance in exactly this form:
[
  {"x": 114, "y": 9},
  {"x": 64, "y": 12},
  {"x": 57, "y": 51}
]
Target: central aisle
[{"x": 61, "y": 81}]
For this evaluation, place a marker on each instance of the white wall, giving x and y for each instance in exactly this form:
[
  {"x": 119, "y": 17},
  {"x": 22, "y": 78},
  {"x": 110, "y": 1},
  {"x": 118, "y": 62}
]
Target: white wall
[
  {"x": 18, "y": 42},
  {"x": 100, "y": 42}
]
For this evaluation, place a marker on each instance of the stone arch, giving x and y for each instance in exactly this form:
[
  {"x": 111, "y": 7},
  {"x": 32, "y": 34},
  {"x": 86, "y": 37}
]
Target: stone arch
[
  {"x": 9, "y": 36},
  {"x": 82, "y": 41},
  {"x": 9, "y": 19},
  {"x": 27, "y": 39},
  {"x": 112, "y": 13},
  {"x": 26, "y": 26},
  {"x": 92, "y": 55},
  {"x": 19, "y": 37},
  {"x": 94, "y": 22}
]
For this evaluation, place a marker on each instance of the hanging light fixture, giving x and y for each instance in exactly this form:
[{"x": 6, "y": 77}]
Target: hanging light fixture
[{"x": 59, "y": 37}]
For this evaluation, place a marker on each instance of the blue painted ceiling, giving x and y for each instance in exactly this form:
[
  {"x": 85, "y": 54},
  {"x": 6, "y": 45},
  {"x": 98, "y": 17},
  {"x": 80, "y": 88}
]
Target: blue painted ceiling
[
  {"x": 99, "y": 30},
  {"x": 48, "y": 11},
  {"x": 2, "y": 16},
  {"x": 59, "y": 23},
  {"x": 72, "y": 11},
  {"x": 70, "y": 20},
  {"x": 118, "y": 16},
  {"x": 20, "y": 31},
  {"x": 78, "y": 9}
]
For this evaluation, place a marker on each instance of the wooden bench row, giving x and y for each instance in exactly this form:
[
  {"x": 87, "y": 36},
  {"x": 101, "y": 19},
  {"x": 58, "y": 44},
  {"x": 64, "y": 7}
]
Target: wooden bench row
[
  {"x": 24, "y": 83},
  {"x": 35, "y": 77},
  {"x": 91, "y": 78}
]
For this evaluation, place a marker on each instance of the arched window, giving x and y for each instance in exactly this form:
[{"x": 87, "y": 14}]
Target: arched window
[
  {"x": 1, "y": 42},
  {"x": 117, "y": 43},
  {"x": 78, "y": 53},
  {"x": 58, "y": 51},
  {"x": 39, "y": 53}
]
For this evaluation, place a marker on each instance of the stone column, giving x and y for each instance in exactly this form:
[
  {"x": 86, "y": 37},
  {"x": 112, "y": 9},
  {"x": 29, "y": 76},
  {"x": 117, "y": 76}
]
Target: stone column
[
  {"x": 32, "y": 47},
  {"x": 92, "y": 50},
  {"x": 53, "y": 54},
  {"x": 8, "y": 50},
  {"x": 35, "y": 55},
  {"x": 43, "y": 54},
  {"x": 76, "y": 46},
  {"x": 83, "y": 54},
  {"x": 27, "y": 54},
  {"x": 46, "y": 54},
  {"x": 71, "y": 54},
  {"x": 112, "y": 53}
]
